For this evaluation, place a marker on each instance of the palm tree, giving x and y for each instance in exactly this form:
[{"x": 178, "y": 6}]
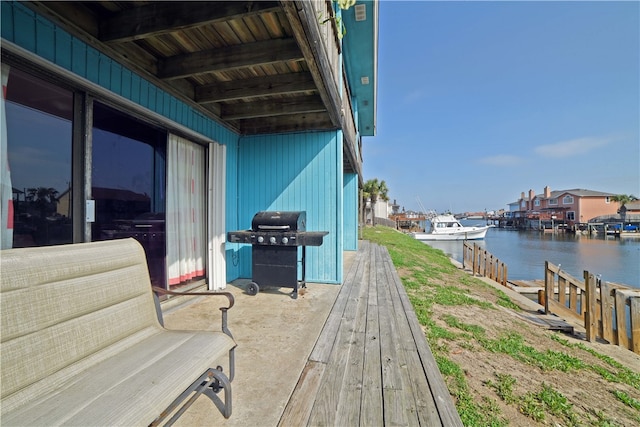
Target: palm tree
[
  {"x": 623, "y": 199},
  {"x": 374, "y": 190}
]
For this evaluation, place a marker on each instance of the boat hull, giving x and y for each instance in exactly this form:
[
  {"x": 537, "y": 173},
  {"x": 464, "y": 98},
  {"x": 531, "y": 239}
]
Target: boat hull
[{"x": 477, "y": 233}]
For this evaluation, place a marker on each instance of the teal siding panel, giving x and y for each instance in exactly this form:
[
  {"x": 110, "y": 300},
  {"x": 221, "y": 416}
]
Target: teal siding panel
[
  {"x": 94, "y": 69},
  {"x": 350, "y": 209},
  {"x": 106, "y": 73},
  {"x": 135, "y": 83},
  {"x": 45, "y": 39},
  {"x": 151, "y": 97},
  {"x": 79, "y": 57},
  {"x": 25, "y": 28},
  {"x": 126, "y": 78},
  {"x": 6, "y": 21},
  {"x": 63, "y": 47},
  {"x": 145, "y": 88},
  {"x": 295, "y": 172}
]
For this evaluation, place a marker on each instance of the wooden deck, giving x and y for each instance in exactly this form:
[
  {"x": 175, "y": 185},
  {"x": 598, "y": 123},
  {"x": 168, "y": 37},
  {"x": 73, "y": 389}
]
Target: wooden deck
[{"x": 371, "y": 365}]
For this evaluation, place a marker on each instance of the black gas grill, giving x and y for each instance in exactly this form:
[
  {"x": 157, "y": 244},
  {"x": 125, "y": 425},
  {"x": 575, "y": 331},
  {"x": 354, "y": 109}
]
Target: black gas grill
[{"x": 275, "y": 237}]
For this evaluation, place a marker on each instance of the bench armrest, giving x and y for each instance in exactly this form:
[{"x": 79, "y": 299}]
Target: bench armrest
[
  {"x": 229, "y": 295},
  {"x": 224, "y": 310}
]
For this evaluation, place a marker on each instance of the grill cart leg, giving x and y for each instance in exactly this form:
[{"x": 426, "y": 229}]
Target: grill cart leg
[{"x": 303, "y": 283}]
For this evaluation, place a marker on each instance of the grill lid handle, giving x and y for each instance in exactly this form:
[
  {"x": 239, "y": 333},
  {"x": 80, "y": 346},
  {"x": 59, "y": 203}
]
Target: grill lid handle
[{"x": 274, "y": 227}]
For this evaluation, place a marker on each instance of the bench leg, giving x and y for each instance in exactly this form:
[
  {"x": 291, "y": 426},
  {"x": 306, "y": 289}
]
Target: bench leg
[
  {"x": 208, "y": 384},
  {"x": 222, "y": 382}
]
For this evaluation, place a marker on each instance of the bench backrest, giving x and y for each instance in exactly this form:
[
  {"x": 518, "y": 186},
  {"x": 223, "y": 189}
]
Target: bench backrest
[{"x": 66, "y": 307}]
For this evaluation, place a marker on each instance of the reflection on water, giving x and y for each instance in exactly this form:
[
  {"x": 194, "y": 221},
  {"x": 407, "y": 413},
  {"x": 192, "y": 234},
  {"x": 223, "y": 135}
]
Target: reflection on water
[{"x": 524, "y": 252}]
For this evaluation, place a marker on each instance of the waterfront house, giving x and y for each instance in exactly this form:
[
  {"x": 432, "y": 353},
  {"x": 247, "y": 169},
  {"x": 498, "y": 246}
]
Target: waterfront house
[
  {"x": 566, "y": 208},
  {"x": 175, "y": 122},
  {"x": 630, "y": 210}
]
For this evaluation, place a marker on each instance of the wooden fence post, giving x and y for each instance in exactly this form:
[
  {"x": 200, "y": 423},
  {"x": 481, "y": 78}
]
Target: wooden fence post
[
  {"x": 590, "y": 306},
  {"x": 634, "y": 303},
  {"x": 475, "y": 258},
  {"x": 606, "y": 305},
  {"x": 621, "y": 318},
  {"x": 548, "y": 286},
  {"x": 505, "y": 277}
]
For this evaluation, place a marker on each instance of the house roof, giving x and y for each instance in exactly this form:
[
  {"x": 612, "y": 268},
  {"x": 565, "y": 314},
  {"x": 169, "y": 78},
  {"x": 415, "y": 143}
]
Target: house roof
[
  {"x": 632, "y": 206},
  {"x": 579, "y": 192}
]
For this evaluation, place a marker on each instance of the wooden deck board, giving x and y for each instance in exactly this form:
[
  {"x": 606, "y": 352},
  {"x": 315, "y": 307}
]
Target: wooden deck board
[
  {"x": 371, "y": 364},
  {"x": 425, "y": 408}
]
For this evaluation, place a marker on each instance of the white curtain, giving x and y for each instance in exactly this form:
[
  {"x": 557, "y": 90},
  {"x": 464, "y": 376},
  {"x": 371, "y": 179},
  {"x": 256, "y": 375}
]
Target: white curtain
[
  {"x": 186, "y": 210},
  {"x": 6, "y": 193},
  {"x": 216, "y": 267}
]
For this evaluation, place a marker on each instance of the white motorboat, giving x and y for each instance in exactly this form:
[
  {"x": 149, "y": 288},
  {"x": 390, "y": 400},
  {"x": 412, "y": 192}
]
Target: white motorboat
[{"x": 447, "y": 227}]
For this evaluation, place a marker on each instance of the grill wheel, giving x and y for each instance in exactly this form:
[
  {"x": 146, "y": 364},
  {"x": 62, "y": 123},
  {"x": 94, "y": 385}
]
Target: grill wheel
[{"x": 253, "y": 288}]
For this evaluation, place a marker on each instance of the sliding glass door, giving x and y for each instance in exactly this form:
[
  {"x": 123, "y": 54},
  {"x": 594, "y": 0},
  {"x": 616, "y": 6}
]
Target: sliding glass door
[
  {"x": 36, "y": 161},
  {"x": 128, "y": 184}
]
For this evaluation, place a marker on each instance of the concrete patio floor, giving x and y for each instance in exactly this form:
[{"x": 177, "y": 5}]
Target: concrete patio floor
[{"x": 275, "y": 336}]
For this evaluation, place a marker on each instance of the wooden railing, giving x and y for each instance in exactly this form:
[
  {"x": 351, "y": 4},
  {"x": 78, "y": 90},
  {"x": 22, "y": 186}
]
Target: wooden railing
[
  {"x": 483, "y": 263},
  {"x": 609, "y": 311}
]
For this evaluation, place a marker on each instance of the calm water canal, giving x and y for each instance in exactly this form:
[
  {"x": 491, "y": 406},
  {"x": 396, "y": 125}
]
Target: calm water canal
[{"x": 524, "y": 252}]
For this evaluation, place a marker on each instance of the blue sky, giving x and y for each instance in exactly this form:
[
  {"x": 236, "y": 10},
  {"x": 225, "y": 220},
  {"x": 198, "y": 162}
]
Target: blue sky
[{"x": 480, "y": 101}]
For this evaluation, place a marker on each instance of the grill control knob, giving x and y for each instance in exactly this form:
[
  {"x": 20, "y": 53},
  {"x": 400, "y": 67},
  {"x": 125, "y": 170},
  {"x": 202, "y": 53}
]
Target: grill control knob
[
  {"x": 272, "y": 240},
  {"x": 285, "y": 240},
  {"x": 260, "y": 239}
]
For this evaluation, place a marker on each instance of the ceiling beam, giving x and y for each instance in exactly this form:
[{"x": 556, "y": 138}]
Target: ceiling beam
[
  {"x": 230, "y": 57},
  {"x": 282, "y": 84},
  {"x": 282, "y": 124},
  {"x": 248, "y": 110},
  {"x": 160, "y": 18}
]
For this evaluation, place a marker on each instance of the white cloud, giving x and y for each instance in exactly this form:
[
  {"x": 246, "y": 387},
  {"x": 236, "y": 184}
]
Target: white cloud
[
  {"x": 414, "y": 96},
  {"x": 501, "y": 160},
  {"x": 572, "y": 147}
]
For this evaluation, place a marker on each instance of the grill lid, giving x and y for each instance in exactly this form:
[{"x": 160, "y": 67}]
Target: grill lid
[{"x": 279, "y": 221}]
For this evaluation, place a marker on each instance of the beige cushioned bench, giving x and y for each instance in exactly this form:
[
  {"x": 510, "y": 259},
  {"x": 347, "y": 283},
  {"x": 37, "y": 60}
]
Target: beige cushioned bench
[{"x": 82, "y": 341}]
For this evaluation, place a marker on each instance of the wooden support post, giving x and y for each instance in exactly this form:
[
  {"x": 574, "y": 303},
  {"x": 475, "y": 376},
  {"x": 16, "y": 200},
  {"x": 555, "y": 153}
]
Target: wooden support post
[
  {"x": 590, "y": 307},
  {"x": 541, "y": 297}
]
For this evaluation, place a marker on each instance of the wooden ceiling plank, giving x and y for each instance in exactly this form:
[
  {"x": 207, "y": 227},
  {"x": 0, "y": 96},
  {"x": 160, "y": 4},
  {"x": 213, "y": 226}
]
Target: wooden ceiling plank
[
  {"x": 239, "y": 56},
  {"x": 164, "y": 17},
  {"x": 282, "y": 124},
  {"x": 282, "y": 107},
  {"x": 255, "y": 87}
]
